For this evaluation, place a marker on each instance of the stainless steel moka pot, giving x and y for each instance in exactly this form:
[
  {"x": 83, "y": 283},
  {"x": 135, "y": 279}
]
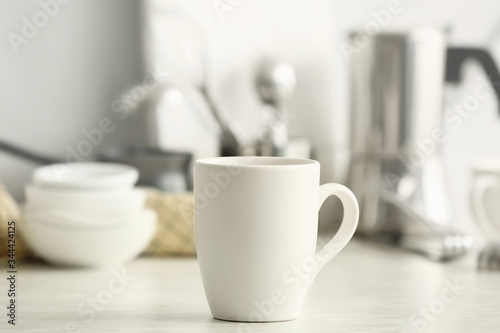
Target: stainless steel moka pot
[{"x": 396, "y": 169}]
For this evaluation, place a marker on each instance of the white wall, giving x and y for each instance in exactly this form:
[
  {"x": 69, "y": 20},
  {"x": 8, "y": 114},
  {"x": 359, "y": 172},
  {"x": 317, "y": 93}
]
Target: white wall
[{"x": 65, "y": 78}]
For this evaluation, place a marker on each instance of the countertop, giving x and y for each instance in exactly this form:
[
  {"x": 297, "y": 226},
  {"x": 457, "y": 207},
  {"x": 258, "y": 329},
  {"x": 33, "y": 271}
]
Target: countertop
[{"x": 366, "y": 288}]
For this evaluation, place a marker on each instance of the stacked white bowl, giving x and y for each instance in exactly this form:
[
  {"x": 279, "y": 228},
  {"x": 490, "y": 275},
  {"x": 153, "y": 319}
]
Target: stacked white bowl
[{"x": 87, "y": 214}]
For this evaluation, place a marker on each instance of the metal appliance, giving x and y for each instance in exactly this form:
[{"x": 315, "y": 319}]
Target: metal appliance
[{"x": 396, "y": 168}]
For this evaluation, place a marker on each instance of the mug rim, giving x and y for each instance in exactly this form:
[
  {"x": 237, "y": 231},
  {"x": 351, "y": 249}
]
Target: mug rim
[{"x": 256, "y": 161}]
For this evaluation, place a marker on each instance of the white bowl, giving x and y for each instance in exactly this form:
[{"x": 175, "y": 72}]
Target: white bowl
[
  {"x": 95, "y": 246},
  {"x": 92, "y": 203},
  {"x": 86, "y": 175},
  {"x": 61, "y": 218}
]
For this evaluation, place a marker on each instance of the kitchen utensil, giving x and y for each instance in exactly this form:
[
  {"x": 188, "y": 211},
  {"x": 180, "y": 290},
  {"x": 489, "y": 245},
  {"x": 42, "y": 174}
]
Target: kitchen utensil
[
  {"x": 162, "y": 169},
  {"x": 485, "y": 196},
  {"x": 168, "y": 171},
  {"x": 92, "y": 246},
  {"x": 256, "y": 224},
  {"x": 397, "y": 133},
  {"x": 489, "y": 257},
  {"x": 187, "y": 61},
  {"x": 86, "y": 176},
  {"x": 438, "y": 243},
  {"x": 171, "y": 109},
  {"x": 275, "y": 82},
  {"x": 26, "y": 154},
  {"x": 97, "y": 203}
]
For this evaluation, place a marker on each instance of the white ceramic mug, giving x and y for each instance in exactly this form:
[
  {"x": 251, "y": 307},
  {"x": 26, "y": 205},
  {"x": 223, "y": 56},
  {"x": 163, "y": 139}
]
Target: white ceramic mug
[
  {"x": 256, "y": 224},
  {"x": 485, "y": 196}
]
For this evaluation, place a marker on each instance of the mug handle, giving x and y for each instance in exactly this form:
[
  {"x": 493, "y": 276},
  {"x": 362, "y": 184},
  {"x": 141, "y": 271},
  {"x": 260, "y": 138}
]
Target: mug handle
[
  {"x": 479, "y": 189},
  {"x": 347, "y": 227}
]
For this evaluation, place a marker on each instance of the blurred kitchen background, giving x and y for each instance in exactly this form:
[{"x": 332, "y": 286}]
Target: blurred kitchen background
[{"x": 70, "y": 74}]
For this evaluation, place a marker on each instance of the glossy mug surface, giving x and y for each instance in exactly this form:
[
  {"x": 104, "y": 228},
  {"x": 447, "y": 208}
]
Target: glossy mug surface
[{"x": 256, "y": 223}]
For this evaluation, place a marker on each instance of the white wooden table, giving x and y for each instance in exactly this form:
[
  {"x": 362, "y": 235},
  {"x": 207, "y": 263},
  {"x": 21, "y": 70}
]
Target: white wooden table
[{"x": 366, "y": 288}]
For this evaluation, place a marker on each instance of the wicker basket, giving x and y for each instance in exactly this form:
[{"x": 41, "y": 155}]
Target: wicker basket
[{"x": 175, "y": 232}]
